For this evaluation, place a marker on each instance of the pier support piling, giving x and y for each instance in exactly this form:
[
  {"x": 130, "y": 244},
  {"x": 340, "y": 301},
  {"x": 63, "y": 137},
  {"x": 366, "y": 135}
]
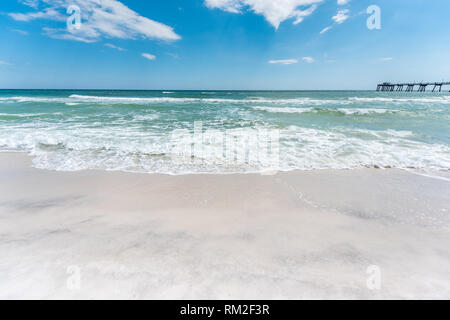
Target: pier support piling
[{"x": 422, "y": 87}]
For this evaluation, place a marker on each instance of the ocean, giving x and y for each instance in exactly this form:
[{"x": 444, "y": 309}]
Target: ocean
[{"x": 133, "y": 131}]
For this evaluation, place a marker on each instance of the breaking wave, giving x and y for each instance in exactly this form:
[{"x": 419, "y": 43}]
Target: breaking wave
[{"x": 322, "y": 130}]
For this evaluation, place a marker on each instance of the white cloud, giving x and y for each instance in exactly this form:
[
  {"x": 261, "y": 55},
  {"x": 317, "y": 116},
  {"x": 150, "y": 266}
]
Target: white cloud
[
  {"x": 22, "y": 32},
  {"x": 100, "y": 18},
  {"x": 109, "y": 45},
  {"x": 4, "y": 63},
  {"x": 326, "y": 29},
  {"x": 49, "y": 14},
  {"x": 292, "y": 61},
  {"x": 285, "y": 61},
  {"x": 234, "y": 6},
  {"x": 387, "y": 59},
  {"x": 341, "y": 16},
  {"x": 60, "y": 34},
  {"x": 275, "y": 11},
  {"x": 174, "y": 55},
  {"x": 148, "y": 56},
  {"x": 342, "y": 2},
  {"x": 30, "y": 3}
]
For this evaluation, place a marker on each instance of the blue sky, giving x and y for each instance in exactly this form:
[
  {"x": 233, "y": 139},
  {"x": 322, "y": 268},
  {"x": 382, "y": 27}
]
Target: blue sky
[{"x": 222, "y": 44}]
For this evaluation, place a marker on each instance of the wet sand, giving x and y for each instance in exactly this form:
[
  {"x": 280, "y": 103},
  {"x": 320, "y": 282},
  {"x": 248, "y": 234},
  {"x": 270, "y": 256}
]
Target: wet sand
[{"x": 294, "y": 235}]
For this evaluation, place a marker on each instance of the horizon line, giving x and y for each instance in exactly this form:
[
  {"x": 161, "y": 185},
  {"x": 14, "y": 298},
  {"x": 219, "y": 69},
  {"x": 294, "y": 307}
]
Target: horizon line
[{"x": 108, "y": 89}]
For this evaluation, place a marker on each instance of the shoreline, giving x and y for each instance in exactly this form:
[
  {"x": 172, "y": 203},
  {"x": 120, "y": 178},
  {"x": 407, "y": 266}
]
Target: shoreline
[
  {"x": 294, "y": 235},
  {"x": 432, "y": 173}
]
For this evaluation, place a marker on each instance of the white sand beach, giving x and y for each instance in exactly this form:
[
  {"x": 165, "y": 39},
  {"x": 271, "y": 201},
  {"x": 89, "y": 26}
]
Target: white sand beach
[{"x": 297, "y": 235}]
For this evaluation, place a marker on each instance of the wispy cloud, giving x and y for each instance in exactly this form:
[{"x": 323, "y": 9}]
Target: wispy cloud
[
  {"x": 4, "y": 63},
  {"x": 49, "y": 14},
  {"x": 284, "y": 61},
  {"x": 100, "y": 18},
  {"x": 174, "y": 55},
  {"x": 308, "y": 59},
  {"x": 387, "y": 59},
  {"x": 60, "y": 34},
  {"x": 148, "y": 56},
  {"x": 326, "y": 29},
  {"x": 292, "y": 61},
  {"x": 341, "y": 16},
  {"x": 30, "y": 3},
  {"x": 342, "y": 2},
  {"x": 275, "y": 11},
  {"x": 22, "y": 32},
  {"x": 109, "y": 45}
]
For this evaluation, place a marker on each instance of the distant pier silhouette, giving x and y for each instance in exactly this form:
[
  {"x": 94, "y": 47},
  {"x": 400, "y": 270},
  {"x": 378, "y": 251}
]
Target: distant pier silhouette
[{"x": 410, "y": 87}]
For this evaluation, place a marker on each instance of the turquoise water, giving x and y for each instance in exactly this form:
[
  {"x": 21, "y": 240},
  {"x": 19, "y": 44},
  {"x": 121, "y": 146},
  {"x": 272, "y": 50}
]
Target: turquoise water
[{"x": 133, "y": 130}]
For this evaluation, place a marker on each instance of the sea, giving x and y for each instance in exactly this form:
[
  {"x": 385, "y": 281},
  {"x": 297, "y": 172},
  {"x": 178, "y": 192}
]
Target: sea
[{"x": 138, "y": 131}]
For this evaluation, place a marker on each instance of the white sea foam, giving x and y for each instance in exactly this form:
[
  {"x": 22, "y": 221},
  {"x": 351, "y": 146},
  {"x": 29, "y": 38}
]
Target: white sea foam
[
  {"x": 129, "y": 100},
  {"x": 442, "y": 99},
  {"x": 75, "y": 98},
  {"x": 34, "y": 99},
  {"x": 27, "y": 115},
  {"x": 346, "y": 111},
  {"x": 126, "y": 149},
  {"x": 283, "y": 110},
  {"x": 140, "y": 100},
  {"x": 146, "y": 117},
  {"x": 362, "y": 111},
  {"x": 300, "y": 101}
]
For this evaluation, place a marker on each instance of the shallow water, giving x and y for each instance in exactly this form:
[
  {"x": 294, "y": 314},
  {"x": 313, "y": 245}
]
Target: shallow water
[{"x": 133, "y": 130}]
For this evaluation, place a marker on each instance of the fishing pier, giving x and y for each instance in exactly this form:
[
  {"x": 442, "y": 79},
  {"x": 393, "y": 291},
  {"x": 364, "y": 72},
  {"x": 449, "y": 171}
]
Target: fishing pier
[{"x": 411, "y": 87}]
